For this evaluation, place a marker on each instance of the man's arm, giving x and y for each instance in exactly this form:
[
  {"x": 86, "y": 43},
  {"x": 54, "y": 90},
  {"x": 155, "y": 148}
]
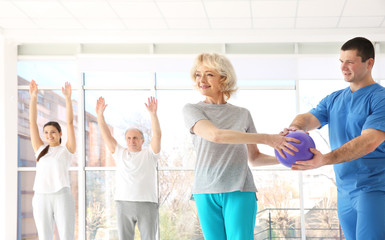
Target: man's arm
[
  {"x": 105, "y": 131},
  {"x": 34, "y": 129},
  {"x": 152, "y": 107},
  {"x": 305, "y": 122},
  {"x": 358, "y": 147}
]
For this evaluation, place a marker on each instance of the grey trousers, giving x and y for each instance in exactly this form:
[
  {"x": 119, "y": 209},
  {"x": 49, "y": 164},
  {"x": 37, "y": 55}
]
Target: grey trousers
[
  {"x": 129, "y": 213},
  {"x": 56, "y": 207}
]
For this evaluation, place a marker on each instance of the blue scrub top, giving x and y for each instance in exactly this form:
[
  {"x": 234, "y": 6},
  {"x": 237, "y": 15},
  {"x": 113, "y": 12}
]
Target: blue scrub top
[{"x": 348, "y": 113}]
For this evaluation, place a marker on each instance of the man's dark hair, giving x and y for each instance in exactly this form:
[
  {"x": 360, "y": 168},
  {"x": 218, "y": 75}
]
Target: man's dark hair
[{"x": 364, "y": 47}]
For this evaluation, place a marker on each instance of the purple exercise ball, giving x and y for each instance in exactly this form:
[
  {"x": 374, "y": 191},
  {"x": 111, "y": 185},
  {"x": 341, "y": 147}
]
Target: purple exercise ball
[{"x": 303, "y": 147}]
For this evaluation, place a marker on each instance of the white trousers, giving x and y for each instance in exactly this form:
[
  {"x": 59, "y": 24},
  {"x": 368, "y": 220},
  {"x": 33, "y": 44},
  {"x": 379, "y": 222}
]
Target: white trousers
[{"x": 56, "y": 207}]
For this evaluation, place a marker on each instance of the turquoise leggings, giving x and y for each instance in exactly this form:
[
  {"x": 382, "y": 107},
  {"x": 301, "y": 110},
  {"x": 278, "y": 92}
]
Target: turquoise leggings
[{"x": 227, "y": 216}]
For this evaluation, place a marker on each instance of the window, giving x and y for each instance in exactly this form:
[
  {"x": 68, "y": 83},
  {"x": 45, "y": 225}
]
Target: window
[
  {"x": 50, "y": 103},
  {"x": 273, "y": 104},
  {"x": 321, "y": 202}
]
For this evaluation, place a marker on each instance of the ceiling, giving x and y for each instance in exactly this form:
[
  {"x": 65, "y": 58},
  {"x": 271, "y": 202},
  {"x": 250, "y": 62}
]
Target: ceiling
[{"x": 191, "y": 20}]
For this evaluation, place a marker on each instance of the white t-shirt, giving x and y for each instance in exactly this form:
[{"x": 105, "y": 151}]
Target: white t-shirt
[
  {"x": 52, "y": 170},
  {"x": 136, "y": 176}
]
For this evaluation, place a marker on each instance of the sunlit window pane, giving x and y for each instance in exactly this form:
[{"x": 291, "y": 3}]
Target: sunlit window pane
[
  {"x": 100, "y": 205},
  {"x": 177, "y": 211},
  {"x": 323, "y": 198},
  {"x": 48, "y": 73},
  {"x": 313, "y": 91},
  {"x": 322, "y": 217},
  {"x": 177, "y": 149},
  {"x": 138, "y": 80},
  {"x": 174, "y": 80},
  {"x": 272, "y": 110},
  {"x": 309, "y": 99},
  {"x": 266, "y": 84},
  {"x": 278, "y": 204}
]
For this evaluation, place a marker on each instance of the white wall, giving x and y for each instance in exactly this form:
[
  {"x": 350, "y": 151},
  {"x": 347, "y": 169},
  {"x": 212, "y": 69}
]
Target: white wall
[{"x": 8, "y": 139}]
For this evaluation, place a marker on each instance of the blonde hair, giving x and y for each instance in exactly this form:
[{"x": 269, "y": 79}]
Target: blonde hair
[{"x": 222, "y": 66}]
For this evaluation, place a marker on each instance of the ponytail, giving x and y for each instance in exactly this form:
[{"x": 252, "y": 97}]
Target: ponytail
[{"x": 42, "y": 153}]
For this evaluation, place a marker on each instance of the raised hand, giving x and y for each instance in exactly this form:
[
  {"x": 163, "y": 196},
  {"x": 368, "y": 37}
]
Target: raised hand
[
  {"x": 33, "y": 89},
  {"x": 66, "y": 90},
  {"x": 100, "y": 106},
  {"x": 152, "y": 105}
]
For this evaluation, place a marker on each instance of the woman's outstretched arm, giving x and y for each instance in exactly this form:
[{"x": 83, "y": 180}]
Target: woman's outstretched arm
[
  {"x": 71, "y": 139},
  {"x": 34, "y": 130}
]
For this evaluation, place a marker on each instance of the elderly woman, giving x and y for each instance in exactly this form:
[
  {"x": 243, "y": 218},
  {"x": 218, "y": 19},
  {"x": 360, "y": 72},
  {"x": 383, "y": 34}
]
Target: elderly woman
[{"x": 225, "y": 139}]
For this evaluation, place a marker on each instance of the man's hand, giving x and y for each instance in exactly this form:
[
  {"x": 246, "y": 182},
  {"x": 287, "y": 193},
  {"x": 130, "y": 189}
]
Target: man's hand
[
  {"x": 100, "y": 106},
  {"x": 317, "y": 161},
  {"x": 152, "y": 105}
]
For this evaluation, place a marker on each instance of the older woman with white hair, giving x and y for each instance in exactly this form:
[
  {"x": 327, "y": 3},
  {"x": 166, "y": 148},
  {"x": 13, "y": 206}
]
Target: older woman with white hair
[{"x": 225, "y": 139}]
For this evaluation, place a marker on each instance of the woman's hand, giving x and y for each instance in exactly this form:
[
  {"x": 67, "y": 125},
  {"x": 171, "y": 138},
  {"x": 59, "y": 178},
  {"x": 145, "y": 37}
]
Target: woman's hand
[
  {"x": 282, "y": 144},
  {"x": 33, "y": 89},
  {"x": 66, "y": 90}
]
